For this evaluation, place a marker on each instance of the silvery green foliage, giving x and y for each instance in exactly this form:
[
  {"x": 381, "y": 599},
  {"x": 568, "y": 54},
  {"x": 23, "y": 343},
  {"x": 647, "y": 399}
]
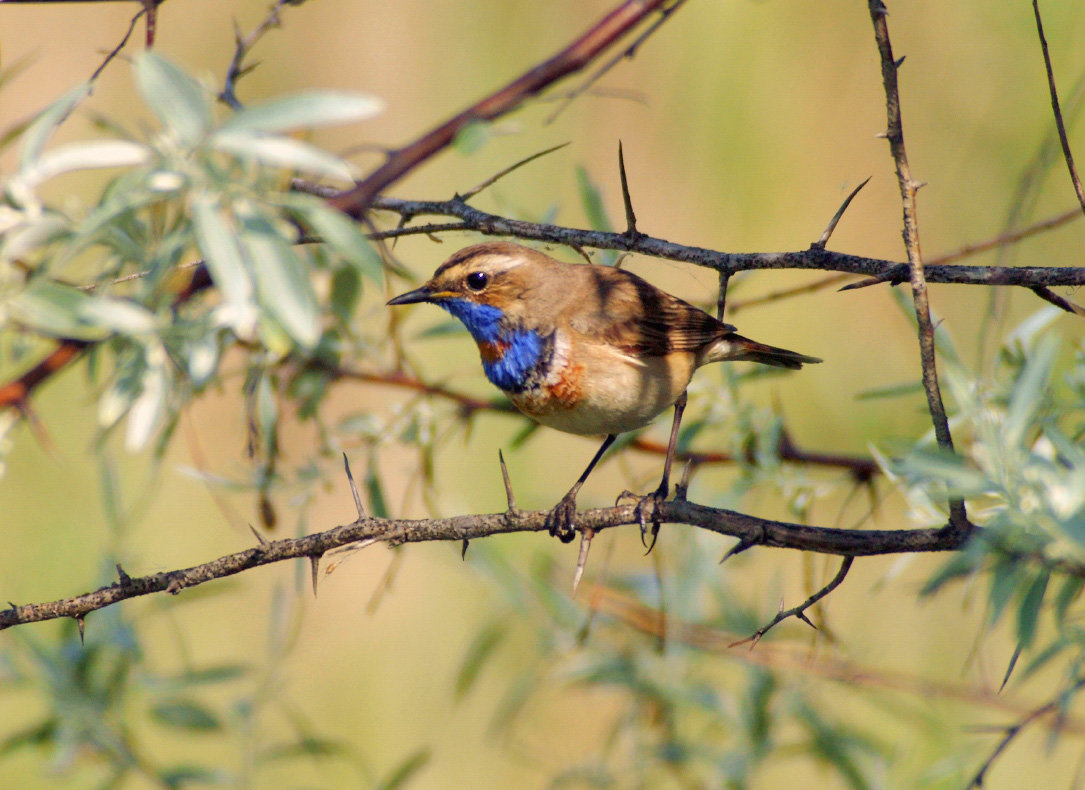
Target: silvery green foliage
[
  {"x": 196, "y": 187},
  {"x": 1020, "y": 466}
]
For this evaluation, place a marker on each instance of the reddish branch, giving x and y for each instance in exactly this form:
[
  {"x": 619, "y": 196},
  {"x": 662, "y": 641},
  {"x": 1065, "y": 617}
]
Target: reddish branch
[
  {"x": 613, "y": 27},
  {"x": 862, "y": 469}
]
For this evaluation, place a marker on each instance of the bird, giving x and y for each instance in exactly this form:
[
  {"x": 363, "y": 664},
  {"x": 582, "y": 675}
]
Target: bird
[{"x": 584, "y": 348}]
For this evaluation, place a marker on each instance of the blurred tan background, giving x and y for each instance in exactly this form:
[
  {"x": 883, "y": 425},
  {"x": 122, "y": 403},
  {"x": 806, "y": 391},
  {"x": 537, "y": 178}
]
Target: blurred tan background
[{"x": 752, "y": 121}]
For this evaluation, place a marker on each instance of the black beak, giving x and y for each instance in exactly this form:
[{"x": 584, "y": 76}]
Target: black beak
[{"x": 422, "y": 294}]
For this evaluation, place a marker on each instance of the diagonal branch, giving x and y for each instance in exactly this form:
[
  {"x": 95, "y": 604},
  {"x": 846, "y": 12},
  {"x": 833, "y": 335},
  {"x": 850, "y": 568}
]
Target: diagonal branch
[
  {"x": 799, "y": 612},
  {"x": 917, "y": 276},
  {"x": 612, "y": 28},
  {"x": 1056, "y": 110}
]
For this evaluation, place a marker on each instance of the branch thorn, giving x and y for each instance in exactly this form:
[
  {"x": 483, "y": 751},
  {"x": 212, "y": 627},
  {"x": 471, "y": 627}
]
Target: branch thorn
[
  {"x": 259, "y": 538},
  {"x": 738, "y": 548},
  {"x": 509, "y": 495},
  {"x": 314, "y": 569},
  {"x": 586, "y": 535},
  {"x": 81, "y": 624},
  {"x": 463, "y": 549},
  {"x": 630, "y": 218},
  {"x": 124, "y": 578},
  {"x": 824, "y": 238},
  {"x": 354, "y": 490}
]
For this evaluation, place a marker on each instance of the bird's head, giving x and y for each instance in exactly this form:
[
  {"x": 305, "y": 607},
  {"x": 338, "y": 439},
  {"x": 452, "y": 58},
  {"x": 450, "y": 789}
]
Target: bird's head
[{"x": 484, "y": 286}]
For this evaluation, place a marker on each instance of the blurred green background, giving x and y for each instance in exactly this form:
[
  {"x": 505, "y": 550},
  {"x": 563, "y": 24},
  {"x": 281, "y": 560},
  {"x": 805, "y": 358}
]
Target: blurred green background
[{"x": 744, "y": 127}]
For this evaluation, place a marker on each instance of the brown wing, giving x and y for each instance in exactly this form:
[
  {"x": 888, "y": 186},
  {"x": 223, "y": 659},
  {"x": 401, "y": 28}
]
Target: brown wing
[{"x": 632, "y": 314}]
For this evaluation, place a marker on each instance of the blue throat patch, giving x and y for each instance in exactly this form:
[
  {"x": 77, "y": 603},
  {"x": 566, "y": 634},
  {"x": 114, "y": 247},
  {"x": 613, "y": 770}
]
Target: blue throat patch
[{"x": 518, "y": 368}]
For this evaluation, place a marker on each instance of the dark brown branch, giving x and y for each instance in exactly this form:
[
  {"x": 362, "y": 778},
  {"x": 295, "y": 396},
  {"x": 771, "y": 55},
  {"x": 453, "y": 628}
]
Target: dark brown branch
[
  {"x": 908, "y": 187},
  {"x": 1063, "y": 139},
  {"x": 613, "y": 27},
  {"x": 799, "y": 612},
  {"x": 242, "y": 46},
  {"x": 764, "y": 532},
  {"x": 814, "y": 259},
  {"x": 16, "y": 392}
]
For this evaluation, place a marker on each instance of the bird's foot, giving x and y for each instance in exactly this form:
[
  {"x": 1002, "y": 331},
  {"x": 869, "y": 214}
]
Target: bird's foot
[
  {"x": 647, "y": 513},
  {"x": 561, "y": 521}
]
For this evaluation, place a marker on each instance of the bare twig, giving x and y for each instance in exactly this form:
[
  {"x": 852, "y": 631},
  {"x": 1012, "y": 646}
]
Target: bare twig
[
  {"x": 1063, "y": 139},
  {"x": 470, "y": 193},
  {"x": 801, "y": 662},
  {"x": 628, "y": 52},
  {"x": 799, "y": 612},
  {"x": 112, "y": 54},
  {"x": 243, "y": 45},
  {"x": 1005, "y": 239},
  {"x": 786, "y": 293},
  {"x": 1014, "y": 730},
  {"x": 908, "y": 187},
  {"x": 585, "y": 49}
]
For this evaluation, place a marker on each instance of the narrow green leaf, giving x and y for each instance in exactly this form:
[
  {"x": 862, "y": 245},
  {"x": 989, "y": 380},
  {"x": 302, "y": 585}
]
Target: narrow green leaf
[
  {"x": 406, "y": 770},
  {"x": 121, "y": 316},
  {"x": 282, "y": 283},
  {"x": 345, "y": 292},
  {"x": 592, "y": 201},
  {"x": 1067, "y": 594},
  {"x": 82, "y": 156},
  {"x": 472, "y": 137},
  {"x": 1029, "y": 614},
  {"x": 282, "y": 152},
  {"x": 1005, "y": 577},
  {"x": 480, "y": 650},
  {"x": 149, "y": 407},
  {"x": 179, "y": 102},
  {"x": 55, "y": 309},
  {"x": 343, "y": 235},
  {"x": 39, "y": 132},
  {"x": 217, "y": 239},
  {"x": 891, "y": 391},
  {"x": 1028, "y": 391},
  {"x": 185, "y": 715},
  {"x": 305, "y": 111},
  {"x": 963, "y": 563},
  {"x": 378, "y": 505}
]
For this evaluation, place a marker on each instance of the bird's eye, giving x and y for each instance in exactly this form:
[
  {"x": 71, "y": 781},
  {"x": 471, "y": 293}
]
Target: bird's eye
[{"x": 476, "y": 281}]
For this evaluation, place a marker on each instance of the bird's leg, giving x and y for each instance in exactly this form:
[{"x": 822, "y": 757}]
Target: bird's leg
[
  {"x": 660, "y": 494},
  {"x": 562, "y": 518}
]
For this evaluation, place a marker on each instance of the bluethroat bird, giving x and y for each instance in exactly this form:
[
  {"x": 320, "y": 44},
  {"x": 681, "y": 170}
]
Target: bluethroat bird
[{"x": 590, "y": 350}]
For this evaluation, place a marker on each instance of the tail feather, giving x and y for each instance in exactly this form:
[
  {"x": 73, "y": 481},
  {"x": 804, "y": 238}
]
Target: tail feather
[{"x": 742, "y": 349}]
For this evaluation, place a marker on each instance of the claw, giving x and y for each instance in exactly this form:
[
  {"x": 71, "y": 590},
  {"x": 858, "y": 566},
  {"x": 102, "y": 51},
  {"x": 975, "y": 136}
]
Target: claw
[
  {"x": 646, "y": 504},
  {"x": 561, "y": 521}
]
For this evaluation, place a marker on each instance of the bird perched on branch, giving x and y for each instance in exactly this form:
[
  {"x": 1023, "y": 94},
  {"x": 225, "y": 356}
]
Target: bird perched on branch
[{"x": 590, "y": 350}]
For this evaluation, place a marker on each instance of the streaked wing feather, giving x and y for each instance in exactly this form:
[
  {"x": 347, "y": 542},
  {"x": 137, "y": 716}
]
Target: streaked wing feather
[{"x": 642, "y": 320}]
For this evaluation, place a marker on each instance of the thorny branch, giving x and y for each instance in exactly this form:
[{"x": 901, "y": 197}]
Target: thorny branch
[
  {"x": 958, "y": 519},
  {"x": 799, "y": 612},
  {"x": 1056, "y": 109},
  {"x": 748, "y": 529}
]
